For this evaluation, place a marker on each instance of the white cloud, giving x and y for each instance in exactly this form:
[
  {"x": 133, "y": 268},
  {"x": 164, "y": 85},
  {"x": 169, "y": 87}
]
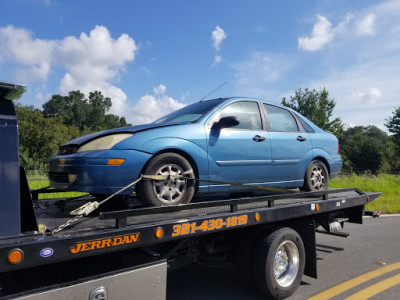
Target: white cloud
[
  {"x": 92, "y": 61},
  {"x": 366, "y": 25},
  {"x": 41, "y": 95},
  {"x": 360, "y": 72},
  {"x": 185, "y": 96},
  {"x": 151, "y": 107},
  {"x": 217, "y": 60},
  {"x": 366, "y": 93},
  {"x": 324, "y": 32},
  {"x": 33, "y": 56},
  {"x": 217, "y": 36},
  {"x": 372, "y": 95},
  {"x": 365, "y": 86},
  {"x": 159, "y": 90},
  {"x": 321, "y": 35},
  {"x": 256, "y": 73},
  {"x": 146, "y": 70}
]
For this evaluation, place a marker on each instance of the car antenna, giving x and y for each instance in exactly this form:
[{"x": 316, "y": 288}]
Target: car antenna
[{"x": 212, "y": 92}]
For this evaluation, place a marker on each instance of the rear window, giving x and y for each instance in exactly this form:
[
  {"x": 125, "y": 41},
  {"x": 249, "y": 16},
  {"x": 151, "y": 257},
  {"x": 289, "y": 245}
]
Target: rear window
[{"x": 280, "y": 119}]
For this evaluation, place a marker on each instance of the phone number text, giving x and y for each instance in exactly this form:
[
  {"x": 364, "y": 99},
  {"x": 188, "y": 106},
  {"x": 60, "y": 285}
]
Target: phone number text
[{"x": 209, "y": 225}]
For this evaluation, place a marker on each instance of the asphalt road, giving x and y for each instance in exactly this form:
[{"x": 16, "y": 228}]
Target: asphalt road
[{"x": 372, "y": 247}]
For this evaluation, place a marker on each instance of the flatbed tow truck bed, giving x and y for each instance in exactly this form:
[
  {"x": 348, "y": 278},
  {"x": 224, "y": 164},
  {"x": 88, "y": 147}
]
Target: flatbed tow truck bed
[
  {"x": 176, "y": 223},
  {"x": 54, "y": 212}
]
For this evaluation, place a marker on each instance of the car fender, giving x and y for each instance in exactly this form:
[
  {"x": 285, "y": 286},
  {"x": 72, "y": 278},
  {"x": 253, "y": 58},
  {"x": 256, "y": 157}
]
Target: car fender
[
  {"x": 321, "y": 153},
  {"x": 197, "y": 154},
  {"x": 302, "y": 165}
]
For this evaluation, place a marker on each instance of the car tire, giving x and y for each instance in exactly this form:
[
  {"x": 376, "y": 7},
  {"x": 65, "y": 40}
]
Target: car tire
[
  {"x": 278, "y": 263},
  {"x": 317, "y": 177},
  {"x": 173, "y": 191}
]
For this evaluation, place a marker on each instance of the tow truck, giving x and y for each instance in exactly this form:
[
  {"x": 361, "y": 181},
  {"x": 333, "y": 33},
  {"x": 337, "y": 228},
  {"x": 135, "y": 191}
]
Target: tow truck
[{"x": 127, "y": 252}]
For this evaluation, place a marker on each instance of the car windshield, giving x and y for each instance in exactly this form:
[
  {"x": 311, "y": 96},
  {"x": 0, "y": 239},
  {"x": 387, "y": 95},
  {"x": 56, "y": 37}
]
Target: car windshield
[{"x": 190, "y": 113}]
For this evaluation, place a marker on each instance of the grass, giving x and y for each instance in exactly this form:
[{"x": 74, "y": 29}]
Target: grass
[
  {"x": 37, "y": 184},
  {"x": 389, "y": 185}
]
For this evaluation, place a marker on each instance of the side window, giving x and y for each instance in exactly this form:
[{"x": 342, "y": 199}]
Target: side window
[
  {"x": 248, "y": 114},
  {"x": 280, "y": 119}
]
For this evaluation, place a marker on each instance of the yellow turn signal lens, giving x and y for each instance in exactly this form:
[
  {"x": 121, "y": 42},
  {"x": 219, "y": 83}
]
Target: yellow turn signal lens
[
  {"x": 15, "y": 256},
  {"x": 257, "y": 217},
  {"x": 115, "y": 161},
  {"x": 159, "y": 233}
]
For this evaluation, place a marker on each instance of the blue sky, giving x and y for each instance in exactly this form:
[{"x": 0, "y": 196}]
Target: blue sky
[{"x": 152, "y": 57}]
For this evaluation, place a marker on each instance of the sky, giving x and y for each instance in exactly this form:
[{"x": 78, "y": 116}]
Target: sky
[{"x": 153, "y": 57}]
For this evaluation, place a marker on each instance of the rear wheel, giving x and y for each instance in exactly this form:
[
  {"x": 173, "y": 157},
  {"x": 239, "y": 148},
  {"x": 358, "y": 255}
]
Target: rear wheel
[
  {"x": 278, "y": 263},
  {"x": 317, "y": 177},
  {"x": 177, "y": 188}
]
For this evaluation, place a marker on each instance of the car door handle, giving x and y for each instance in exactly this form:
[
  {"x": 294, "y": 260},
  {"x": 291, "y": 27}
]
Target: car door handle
[
  {"x": 258, "y": 138},
  {"x": 301, "y": 139}
]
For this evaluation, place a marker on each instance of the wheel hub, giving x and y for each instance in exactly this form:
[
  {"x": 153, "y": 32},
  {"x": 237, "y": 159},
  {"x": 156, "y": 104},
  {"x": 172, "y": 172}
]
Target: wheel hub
[
  {"x": 286, "y": 263},
  {"x": 281, "y": 263},
  {"x": 173, "y": 189},
  {"x": 317, "y": 178}
]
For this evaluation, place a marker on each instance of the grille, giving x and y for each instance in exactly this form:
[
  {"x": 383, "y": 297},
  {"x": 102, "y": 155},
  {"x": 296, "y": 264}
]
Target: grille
[
  {"x": 68, "y": 150},
  {"x": 58, "y": 177}
]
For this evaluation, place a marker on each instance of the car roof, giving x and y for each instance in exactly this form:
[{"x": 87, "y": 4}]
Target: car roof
[{"x": 237, "y": 98}]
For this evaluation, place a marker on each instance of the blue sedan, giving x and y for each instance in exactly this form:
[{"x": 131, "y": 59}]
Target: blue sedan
[{"x": 237, "y": 140}]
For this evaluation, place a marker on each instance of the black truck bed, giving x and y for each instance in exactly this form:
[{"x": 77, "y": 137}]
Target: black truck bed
[{"x": 133, "y": 228}]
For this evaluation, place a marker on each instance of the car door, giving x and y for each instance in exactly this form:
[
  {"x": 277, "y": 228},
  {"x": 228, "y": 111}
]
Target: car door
[
  {"x": 242, "y": 153},
  {"x": 291, "y": 147}
]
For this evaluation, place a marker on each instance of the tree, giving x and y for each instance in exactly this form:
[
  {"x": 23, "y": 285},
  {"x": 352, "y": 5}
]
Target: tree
[
  {"x": 40, "y": 137},
  {"x": 87, "y": 114},
  {"x": 317, "y": 107},
  {"x": 393, "y": 125},
  {"x": 363, "y": 148}
]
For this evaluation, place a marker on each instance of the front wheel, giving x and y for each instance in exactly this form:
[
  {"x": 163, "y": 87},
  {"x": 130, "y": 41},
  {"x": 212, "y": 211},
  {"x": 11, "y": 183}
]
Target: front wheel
[
  {"x": 177, "y": 188},
  {"x": 278, "y": 264},
  {"x": 317, "y": 177}
]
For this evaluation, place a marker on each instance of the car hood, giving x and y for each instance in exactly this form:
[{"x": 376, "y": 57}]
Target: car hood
[{"x": 129, "y": 129}]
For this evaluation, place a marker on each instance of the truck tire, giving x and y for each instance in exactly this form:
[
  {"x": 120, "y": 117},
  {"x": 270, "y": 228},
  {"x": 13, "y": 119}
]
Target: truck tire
[
  {"x": 278, "y": 263},
  {"x": 317, "y": 177},
  {"x": 172, "y": 191}
]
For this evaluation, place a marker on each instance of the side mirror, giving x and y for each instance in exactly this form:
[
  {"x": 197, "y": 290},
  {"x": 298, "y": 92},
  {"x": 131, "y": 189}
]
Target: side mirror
[{"x": 227, "y": 122}]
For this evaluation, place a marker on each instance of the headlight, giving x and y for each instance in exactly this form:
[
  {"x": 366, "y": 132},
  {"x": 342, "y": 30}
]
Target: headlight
[{"x": 105, "y": 142}]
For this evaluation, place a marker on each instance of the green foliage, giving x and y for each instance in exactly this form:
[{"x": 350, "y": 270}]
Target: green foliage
[
  {"x": 393, "y": 125},
  {"x": 387, "y": 184},
  {"x": 40, "y": 137},
  {"x": 391, "y": 158},
  {"x": 88, "y": 115},
  {"x": 363, "y": 148},
  {"x": 63, "y": 118},
  {"x": 317, "y": 107}
]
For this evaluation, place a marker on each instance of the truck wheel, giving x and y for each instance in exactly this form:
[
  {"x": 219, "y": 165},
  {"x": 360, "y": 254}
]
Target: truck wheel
[
  {"x": 278, "y": 263},
  {"x": 171, "y": 191},
  {"x": 317, "y": 177}
]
